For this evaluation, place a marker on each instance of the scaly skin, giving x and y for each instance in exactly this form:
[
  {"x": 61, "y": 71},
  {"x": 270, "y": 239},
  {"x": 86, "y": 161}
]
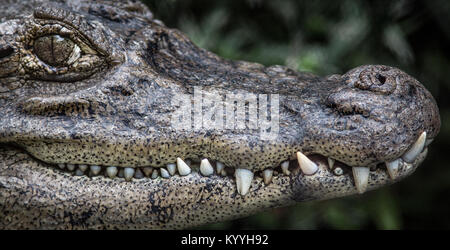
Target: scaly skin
[{"x": 111, "y": 105}]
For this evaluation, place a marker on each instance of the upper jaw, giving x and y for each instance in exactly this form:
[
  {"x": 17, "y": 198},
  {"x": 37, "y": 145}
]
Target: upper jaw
[{"x": 365, "y": 142}]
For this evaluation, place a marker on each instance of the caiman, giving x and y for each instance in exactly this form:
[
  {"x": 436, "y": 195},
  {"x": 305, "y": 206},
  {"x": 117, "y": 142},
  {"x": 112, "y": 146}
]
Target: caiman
[{"x": 111, "y": 120}]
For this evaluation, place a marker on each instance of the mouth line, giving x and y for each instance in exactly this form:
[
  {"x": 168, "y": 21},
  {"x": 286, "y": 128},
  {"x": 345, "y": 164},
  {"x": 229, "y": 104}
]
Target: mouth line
[
  {"x": 205, "y": 168},
  {"x": 306, "y": 165}
]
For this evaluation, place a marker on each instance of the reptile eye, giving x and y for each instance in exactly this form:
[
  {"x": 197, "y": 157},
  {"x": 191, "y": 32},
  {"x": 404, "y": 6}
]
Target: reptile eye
[
  {"x": 61, "y": 54},
  {"x": 56, "y": 50}
]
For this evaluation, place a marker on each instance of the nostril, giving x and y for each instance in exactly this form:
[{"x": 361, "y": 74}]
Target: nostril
[
  {"x": 376, "y": 81},
  {"x": 381, "y": 78}
]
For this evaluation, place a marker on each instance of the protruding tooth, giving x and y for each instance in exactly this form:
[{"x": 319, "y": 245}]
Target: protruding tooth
[
  {"x": 416, "y": 148},
  {"x": 78, "y": 172},
  {"x": 361, "y": 176},
  {"x": 424, "y": 153},
  {"x": 244, "y": 179},
  {"x": 267, "y": 176},
  {"x": 164, "y": 173},
  {"x": 308, "y": 167},
  {"x": 111, "y": 172},
  {"x": 138, "y": 174},
  {"x": 128, "y": 173},
  {"x": 172, "y": 168},
  {"x": 147, "y": 171},
  {"x": 155, "y": 174},
  {"x": 285, "y": 167},
  {"x": 95, "y": 169},
  {"x": 183, "y": 168},
  {"x": 331, "y": 162},
  {"x": 428, "y": 142},
  {"x": 62, "y": 165},
  {"x": 220, "y": 167},
  {"x": 82, "y": 167},
  {"x": 205, "y": 168},
  {"x": 392, "y": 167},
  {"x": 338, "y": 171},
  {"x": 71, "y": 167},
  {"x": 224, "y": 172}
]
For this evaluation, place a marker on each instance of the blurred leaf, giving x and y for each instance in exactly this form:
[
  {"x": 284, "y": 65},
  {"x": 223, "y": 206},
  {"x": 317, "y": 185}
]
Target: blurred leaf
[{"x": 394, "y": 39}]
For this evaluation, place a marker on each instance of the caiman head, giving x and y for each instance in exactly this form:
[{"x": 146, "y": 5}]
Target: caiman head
[{"x": 109, "y": 119}]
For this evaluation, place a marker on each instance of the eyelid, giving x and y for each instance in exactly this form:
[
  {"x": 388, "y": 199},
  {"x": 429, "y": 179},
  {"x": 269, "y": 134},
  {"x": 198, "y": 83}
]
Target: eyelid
[
  {"x": 92, "y": 60},
  {"x": 50, "y": 29},
  {"x": 94, "y": 36}
]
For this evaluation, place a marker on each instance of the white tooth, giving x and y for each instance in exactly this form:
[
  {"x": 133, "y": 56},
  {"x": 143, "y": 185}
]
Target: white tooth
[
  {"x": 361, "y": 176},
  {"x": 138, "y": 174},
  {"x": 244, "y": 179},
  {"x": 308, "y": 167},
  {"x": 424, "y": 153},
  {"x": 285, "y": 167},
  {"x": 408, "y": 166},
  {"x": 62, "y": 165},
  {"x": 172, "y": 168},
  {"x": 95, "y": 169},
  {"x": 111, "y": 172},
  {"x": 120, "y": 174},
  {"x": 155, "y": 174},
  {"x": 147, "y": 171},
  {"x": 219, "y": 166},
  {"x": 71, "y": 167},
  {"x": 205, "y": 168},
  {"x": 428, "y": 142},
  {"x": 330, "y": 162},
  {"x": 338, "y": 171},
  {"x": 128, "y": 173},
  {"x": 392, "y": 167},
  {"x": 416, "y": 149},
  {"x": 224, "y": 172},
  {"x": 78, "y": 172},
  {"x": 82, "y": 167},
  {"x": 267, "y": 175},
  {"x": 164, "y": 173},
  {"x": 183, "y": 168}
]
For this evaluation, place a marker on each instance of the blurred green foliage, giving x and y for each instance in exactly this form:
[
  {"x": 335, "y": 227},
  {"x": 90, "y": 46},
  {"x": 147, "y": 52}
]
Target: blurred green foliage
[{"x": 328, "y": 37}]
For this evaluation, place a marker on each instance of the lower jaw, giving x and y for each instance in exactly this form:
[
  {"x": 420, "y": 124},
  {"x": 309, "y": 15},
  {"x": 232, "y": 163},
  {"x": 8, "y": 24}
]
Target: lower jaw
[{"x": 41, "y": 196}]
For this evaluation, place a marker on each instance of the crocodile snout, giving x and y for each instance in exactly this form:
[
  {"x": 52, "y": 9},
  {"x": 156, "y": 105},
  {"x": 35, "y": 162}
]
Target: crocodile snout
[
  {"x": 406, "y": 98},
  {"x": 383, "y": 104}
]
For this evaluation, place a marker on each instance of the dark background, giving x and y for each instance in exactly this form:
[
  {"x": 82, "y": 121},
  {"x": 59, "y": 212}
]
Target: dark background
[{"x": 327, "y": 37}]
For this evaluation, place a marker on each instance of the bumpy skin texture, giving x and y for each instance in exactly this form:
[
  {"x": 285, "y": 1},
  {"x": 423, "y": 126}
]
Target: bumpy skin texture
[{"x": 111, "y": 106}]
